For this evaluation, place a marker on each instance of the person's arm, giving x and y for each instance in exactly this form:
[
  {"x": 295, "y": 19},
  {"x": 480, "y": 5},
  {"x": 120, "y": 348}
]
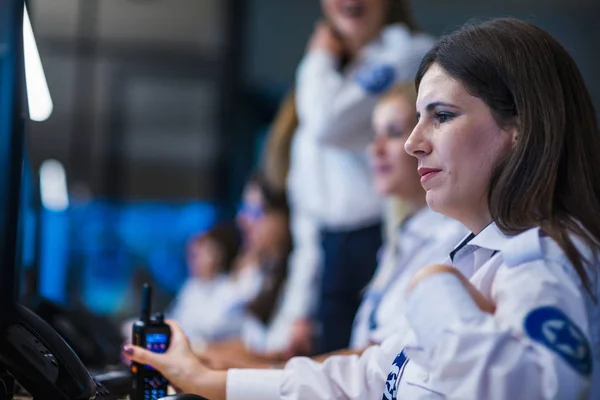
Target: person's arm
[
  {"x": 321, "y": 358},
  {"x": 337, "y": 109},
  {"x": 339, "y": 377},
  {"x": 343, "y": 352},
  {"x": 262, "y": 361},
  {"x": 223, "y": 360},
  {"x": 301, "y": 287},
  {"x": 534, "y": 345}
]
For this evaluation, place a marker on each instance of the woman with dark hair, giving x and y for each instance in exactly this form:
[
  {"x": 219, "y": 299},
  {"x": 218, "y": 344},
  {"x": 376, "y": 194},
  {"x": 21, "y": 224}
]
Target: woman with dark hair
[
  {"x": 507, "y": 141},
  {"x": 260, "y": 272},
  {"x": 273, "y": 242}
]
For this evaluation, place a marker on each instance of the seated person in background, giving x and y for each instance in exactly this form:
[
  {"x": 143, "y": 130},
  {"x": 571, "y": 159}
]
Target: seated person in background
[
  {"x": 201, "y": 305},
  {"x": 262, "y": 269},
  {"x": 422, "y": 236},
  {"x": 212, "y": 305},
  {"x": 263, "y": 221}
]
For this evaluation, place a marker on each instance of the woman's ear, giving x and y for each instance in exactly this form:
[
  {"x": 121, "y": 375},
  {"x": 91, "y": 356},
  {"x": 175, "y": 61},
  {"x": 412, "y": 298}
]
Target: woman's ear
[
  {"x": 514, "y": 136},
  {"x": 513, "y": 130}
]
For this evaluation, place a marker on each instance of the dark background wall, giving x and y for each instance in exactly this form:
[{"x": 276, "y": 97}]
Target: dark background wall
[
  {"x": 167, "y": 99},
  {"x": 279, "y": 30}
]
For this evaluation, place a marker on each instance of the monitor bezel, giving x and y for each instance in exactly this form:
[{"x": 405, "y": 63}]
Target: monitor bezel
[{"x": 13, "y": 109}]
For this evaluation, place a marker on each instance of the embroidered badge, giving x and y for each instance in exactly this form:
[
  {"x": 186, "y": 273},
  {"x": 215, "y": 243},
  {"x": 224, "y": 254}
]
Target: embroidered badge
[
  {"x": 375, "y": 79},
  {"x": 552, "y": 328},
  {"x": 393, "y": 378}
]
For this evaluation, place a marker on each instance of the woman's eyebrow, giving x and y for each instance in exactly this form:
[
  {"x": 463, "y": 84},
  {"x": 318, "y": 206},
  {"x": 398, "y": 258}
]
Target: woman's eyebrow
[{"x": 432, "y": 106}]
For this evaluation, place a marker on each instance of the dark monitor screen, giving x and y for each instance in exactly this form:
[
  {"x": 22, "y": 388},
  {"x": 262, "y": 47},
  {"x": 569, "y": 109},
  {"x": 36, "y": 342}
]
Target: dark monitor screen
[
  {"x": 12, "y": 111},
  {"x": 28, "y": 234}
]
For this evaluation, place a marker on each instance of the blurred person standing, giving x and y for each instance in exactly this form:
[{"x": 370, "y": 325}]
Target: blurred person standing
[{"x": 356, "y": 52}]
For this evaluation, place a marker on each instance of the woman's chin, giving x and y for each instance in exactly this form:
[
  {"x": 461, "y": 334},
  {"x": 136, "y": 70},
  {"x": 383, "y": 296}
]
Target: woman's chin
[
  {"x": 384, "y": 189},
  {"x": 435, "y": 201}
]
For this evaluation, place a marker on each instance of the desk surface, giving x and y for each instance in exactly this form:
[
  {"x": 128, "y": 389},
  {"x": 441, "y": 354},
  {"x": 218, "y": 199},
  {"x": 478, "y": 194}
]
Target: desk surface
[
  {"x": 30, "y": 398},
  {"x": 171, "y": 391}
]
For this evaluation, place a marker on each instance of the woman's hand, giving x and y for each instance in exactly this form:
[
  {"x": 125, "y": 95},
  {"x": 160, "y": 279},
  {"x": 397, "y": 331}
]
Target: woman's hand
[
  {"x": 180, "y": 366},
  {"x": 482, "y": 302},
  {"x": 301, "y": 342},
  {"x": 324, "y": 38},
  {"x": 226, "y": 361}
]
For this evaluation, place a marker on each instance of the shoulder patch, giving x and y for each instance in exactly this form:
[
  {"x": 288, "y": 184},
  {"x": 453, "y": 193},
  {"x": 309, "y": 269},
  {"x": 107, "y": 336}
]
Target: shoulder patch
[
  {"x": 553, "y": 329},
  {"x": 390, "y": 392},
  {"x": 375, "y": 79},
  {"x": 523, "y": 248}
]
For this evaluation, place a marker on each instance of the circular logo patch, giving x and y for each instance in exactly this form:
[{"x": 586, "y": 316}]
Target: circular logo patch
[{"x": 552, "y": 328}]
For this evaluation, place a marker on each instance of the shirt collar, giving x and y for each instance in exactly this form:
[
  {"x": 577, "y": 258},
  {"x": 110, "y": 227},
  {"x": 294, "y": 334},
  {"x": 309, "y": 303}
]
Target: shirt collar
[
  {"x": 422, "y": 223},
  {"x": 491, "y": 238}
]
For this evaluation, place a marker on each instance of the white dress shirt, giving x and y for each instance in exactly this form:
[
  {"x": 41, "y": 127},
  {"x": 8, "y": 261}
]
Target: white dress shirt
[
  {"x": 329, "y": 181},
  {"x": 423, "y": 239},
  {"x": 215, "y": 309},
  {"x": 540, "y": 343}
]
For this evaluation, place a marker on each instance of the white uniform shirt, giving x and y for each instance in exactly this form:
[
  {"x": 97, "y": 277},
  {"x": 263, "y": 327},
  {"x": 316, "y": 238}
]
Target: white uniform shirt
[
  {"x": 424, "y": 239},
  {"x": 329, "y": 182},
  {"x": 215, "y": 309},
  {"x": 540, "y": 343},
  {"x": 191, "y": 309}
]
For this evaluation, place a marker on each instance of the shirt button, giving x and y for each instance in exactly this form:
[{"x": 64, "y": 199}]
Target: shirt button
[{"x": 426, "y": 377}]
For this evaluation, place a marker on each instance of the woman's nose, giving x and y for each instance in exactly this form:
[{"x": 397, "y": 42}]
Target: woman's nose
[
  {"x": 377, "y": 146},
  {"x": 417, "y": 143}
]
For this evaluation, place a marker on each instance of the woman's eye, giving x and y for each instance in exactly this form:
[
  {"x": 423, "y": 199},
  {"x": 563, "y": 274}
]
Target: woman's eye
[
  {"x": 442, "y": 117},
  {"x": 395, "y": 132}
]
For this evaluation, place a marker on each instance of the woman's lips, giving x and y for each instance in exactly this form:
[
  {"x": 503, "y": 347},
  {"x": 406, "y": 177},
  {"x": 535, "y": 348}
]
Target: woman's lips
[
  {"x": 353, "y": 10},
  {"x": 428, "y": 173},
  {"x": 382, "y": 169}
]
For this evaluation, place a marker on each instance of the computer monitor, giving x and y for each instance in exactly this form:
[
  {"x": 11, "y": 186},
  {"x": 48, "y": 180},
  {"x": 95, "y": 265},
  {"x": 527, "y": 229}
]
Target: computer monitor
[
  {"x": 29, "y": 234},
  {"x": 12, "y": 122}
]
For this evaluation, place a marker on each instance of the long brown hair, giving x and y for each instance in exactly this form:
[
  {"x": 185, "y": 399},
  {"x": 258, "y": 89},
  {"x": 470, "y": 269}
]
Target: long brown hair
[
  {"x": 274, "y": 269},
  {"x": 550, "y": 179},
  {"x": 226, "y": 237},
  {"x": 275, "y": 162}
]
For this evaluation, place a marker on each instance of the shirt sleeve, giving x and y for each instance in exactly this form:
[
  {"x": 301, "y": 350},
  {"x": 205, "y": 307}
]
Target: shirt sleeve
[
  {"x": 336, "y": 109},
  {"x": 250, "y": 384},
  {"x": 301, "y": 287},
  {"x": 339, "y": 377},
  {"x": 535, "y": 346}
]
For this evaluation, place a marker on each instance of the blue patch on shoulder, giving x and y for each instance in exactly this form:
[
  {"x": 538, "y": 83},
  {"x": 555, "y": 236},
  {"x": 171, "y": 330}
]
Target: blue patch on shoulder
[
  {"x": 552, "y": 328},
  {"x": 393, "y": 378},
  {"x": 375, "y": 79}
]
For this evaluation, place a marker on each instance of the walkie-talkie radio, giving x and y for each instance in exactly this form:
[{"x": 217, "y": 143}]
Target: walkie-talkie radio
[{"x": 154, "y": 335}]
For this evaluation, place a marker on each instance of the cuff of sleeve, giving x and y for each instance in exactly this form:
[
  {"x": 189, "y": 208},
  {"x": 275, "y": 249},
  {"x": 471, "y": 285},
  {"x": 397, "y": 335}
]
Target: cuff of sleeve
[
  {"x": 253, "y": 384},
  {"x": 317, "y": 62},
  {"x": 436, "y": 304},
  {"x": 320, "y": 58}
]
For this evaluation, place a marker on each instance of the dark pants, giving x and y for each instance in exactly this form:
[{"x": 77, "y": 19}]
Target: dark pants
[{"x": 350, "y": 258}]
